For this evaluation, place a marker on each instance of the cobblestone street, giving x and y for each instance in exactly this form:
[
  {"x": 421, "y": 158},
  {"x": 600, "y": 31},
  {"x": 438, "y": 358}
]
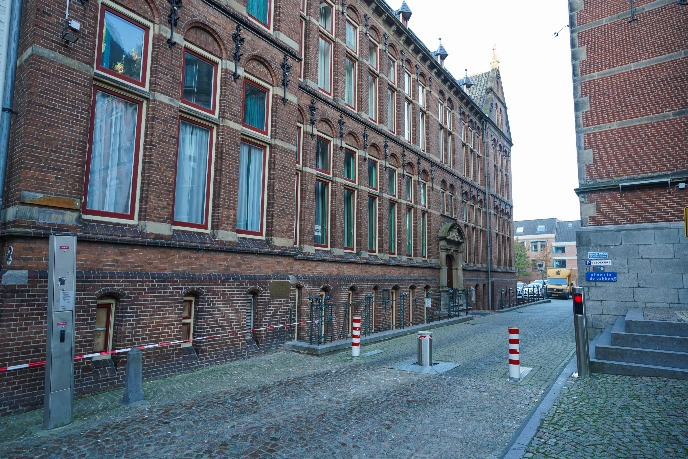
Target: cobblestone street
[{"x": 289, "y": 405}]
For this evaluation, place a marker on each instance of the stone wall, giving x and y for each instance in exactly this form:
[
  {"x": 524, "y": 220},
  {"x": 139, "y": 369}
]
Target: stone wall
[{"x": 651, "y": 262}]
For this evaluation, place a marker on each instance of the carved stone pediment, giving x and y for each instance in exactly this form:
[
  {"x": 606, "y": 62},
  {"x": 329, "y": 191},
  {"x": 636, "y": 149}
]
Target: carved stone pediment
[{"x": 452, "y": 234}]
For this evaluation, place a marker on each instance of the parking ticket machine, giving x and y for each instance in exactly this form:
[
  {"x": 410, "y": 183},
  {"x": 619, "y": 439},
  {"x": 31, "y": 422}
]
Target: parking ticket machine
[{"x": 59, "y": 362}]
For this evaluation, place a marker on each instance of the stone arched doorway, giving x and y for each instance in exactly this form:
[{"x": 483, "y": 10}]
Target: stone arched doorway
[{"x": 452, "y": 244}]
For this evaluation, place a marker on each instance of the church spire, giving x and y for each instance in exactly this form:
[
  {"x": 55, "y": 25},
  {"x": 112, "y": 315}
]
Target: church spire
[{"x": 495, "y": 62}]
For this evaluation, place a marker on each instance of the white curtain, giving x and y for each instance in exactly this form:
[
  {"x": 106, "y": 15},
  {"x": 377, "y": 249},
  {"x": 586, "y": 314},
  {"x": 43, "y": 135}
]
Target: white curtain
[
  {"x": 372, "y": 97},
  {"x": 112, "y": 155},
  {"x": 350, "y": 82},
  {"x": 324, "y": 47},
  {"x": 249, "y": 208},
  {"x": 192, "y": 172}
]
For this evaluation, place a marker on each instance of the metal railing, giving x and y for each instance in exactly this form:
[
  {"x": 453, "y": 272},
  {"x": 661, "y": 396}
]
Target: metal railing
[
  {"x": 507, "y": 298},
  {"x": 458, "y": 300},
  {"x": 331, "y": 321}
]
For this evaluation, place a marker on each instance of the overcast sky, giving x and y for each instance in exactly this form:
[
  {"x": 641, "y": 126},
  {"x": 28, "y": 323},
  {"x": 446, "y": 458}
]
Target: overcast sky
[{"x": 536, "y": 73}]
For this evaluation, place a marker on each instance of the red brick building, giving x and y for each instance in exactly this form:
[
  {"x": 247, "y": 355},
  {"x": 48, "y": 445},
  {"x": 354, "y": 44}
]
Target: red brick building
[
  {"x": 630, "y": 76},
  {"x": 221, "y": 168}
]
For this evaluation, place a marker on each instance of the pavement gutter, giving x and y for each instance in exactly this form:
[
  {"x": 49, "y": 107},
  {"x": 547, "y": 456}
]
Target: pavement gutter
[{"x": 525, "y": 434}]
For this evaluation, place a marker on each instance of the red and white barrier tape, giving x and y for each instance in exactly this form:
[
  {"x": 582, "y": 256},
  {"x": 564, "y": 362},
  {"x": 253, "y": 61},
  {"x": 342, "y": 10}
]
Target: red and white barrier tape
[{"x": 149, "y": 346}]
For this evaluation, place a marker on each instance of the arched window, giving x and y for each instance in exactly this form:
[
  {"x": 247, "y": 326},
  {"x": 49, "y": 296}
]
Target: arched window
[
  {"x": 188, "y": 313},
  {"x": 104, "y": 327}
]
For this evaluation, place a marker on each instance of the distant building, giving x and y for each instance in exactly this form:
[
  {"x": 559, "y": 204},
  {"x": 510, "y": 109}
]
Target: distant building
[
  {"x": 631, "y": 113},
  {"x": 549, "y": 241}
]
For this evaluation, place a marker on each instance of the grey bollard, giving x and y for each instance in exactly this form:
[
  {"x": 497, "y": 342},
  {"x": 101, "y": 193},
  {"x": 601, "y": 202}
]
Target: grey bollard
[
  {"x": 425, "y": 348},
  {"x": 133, "y": 382}
]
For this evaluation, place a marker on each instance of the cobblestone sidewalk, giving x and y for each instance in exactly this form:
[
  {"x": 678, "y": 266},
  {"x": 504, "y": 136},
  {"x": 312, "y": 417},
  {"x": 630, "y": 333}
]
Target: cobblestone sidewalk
[{"x": 609, "y": 416}]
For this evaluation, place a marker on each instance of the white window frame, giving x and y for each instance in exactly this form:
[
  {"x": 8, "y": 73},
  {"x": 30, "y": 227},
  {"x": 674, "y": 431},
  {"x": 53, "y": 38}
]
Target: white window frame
[
  {"x": 353, "y": 82},
  {"x": 392, "y": 70},
  {"x": 325, "y": 80},
  {"x": 351, "y": 25},
  {"x": 374, "y": 46},
  {"x": 391, "y": 109},
  {"x": 372, "y": 98},
  {"x": 408, "y": 121},
  {"x": 421, "y": 130}
]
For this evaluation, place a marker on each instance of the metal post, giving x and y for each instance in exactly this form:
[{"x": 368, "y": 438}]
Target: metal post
[
  {"x": 59, "y": 365},
  {"x": 580, "y": 328},
  {"x": 425, "y": 348},
  {"x": 514, "y": 355},
  {"x": 8, "y": 87},
  {"x": 356, "y": 337}
]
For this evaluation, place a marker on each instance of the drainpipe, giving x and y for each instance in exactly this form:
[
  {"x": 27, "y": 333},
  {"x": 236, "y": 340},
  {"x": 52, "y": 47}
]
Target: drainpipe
[
  {"x": 8, "y": 90},
  {"x": 488, "y": 217}
]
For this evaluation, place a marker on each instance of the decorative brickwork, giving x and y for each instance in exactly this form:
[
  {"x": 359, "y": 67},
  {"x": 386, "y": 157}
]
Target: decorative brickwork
[{"x": 629, "y": 62}]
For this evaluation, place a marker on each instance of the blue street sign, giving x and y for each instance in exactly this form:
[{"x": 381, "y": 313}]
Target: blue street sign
[
  {"x": 600, "y": 276},
  {"x": 587, "y": 263},
  {"x": 598, "y": 255}
]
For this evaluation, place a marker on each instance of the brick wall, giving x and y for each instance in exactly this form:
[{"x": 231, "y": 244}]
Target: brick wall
[
  {"x": 147, "y": 264},
  {"x": 631, "y": 124}
]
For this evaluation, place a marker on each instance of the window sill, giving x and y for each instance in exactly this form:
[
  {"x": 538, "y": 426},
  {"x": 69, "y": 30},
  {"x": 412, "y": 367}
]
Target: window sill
[{"x": 115, "y": 83}]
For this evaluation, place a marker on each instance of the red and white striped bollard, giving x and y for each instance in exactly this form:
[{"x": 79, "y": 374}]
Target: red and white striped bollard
[
  {"x": 356, "y": 337},
  {"x": 514, "y": 356}
]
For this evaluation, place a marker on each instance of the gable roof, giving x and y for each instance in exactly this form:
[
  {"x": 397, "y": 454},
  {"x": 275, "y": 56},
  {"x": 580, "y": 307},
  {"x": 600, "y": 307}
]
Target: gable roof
[
  {"x": 488, "y": 93},
  {"x": 564, "y": 231},
  {"x": 530, "y": 227}
]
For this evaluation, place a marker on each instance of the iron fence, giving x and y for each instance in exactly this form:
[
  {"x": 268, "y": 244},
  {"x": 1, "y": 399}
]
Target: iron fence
[
  {"x": 331, "y": 321},
  {"x": 507, "y": 298}
]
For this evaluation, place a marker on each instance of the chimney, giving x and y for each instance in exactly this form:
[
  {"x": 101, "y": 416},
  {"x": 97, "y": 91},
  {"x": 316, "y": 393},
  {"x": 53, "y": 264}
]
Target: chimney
[
  {"x": 465, "y": 82},
  {"x": 404, "y": 13},
  {"x": 441, "y": 54}
]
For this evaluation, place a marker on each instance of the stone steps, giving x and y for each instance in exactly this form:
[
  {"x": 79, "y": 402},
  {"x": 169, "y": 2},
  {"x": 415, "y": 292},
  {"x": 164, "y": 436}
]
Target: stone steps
[{"x": 638, "y": 347}]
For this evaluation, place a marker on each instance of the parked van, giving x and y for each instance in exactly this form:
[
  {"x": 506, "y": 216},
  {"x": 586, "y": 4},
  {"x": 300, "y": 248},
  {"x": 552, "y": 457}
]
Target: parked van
[{"x": 559, "y": 283}]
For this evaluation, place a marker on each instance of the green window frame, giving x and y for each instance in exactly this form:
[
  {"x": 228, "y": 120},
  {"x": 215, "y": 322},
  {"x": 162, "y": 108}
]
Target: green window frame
[
  {"x": 409, "y": 232},
  {"x": 392, "y": 181},
  {"x": 372, "y": 224},
  {"x": 322, "y": 154},
  {"x": 372, "y": 174},
  {"x": 259, "y": 10},
  {"x": 349, "y": 218},
  {"x": 424, "y": 235},
  {"x": 350, "y": 165},
  {"x": 256, "y": 106},
  {"x": 320, "y": 230},
  {"x": 392, "y": 222}
]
